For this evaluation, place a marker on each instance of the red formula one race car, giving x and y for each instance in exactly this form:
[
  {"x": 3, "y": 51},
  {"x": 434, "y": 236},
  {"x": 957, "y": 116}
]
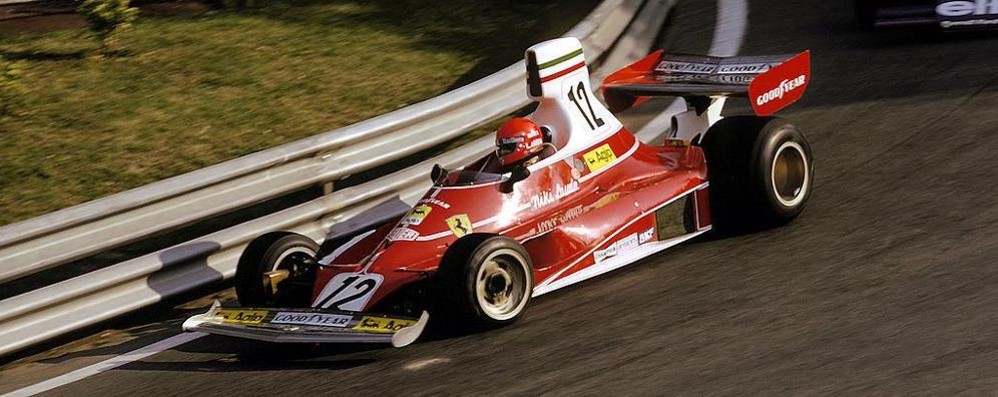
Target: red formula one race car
[{"x": 569, "y": 194}]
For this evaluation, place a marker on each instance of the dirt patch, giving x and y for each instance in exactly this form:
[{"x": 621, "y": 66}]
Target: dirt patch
[
  {"x": 173, "y": 8},
  {"x": 42, "y": 23},
  {"x": 48, "y": 16},
  {"x": 35, "y": 9}
]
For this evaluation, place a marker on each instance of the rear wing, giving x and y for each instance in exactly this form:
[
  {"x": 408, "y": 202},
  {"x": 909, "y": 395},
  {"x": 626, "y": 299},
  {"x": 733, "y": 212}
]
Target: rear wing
[{"x": 770, "y": 82}]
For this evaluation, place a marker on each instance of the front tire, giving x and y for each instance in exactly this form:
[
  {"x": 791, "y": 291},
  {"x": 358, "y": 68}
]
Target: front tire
[
  {"x": 282, "y": 251},
  {"x": 760, "y": 171},
  {"x": 484, "y": 282}
]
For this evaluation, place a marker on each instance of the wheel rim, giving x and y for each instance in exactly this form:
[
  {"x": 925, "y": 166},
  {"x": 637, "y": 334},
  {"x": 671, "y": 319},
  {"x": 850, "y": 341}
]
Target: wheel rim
[
  {"x": 501, "y": 284},
  {"x": 292, "y": 257},
  {"x": 790, "y": 174}
]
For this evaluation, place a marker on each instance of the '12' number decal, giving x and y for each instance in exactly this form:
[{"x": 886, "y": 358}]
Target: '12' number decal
[
  {"x": 348, "y": 291},
  {"x": 580, "y": 90}
]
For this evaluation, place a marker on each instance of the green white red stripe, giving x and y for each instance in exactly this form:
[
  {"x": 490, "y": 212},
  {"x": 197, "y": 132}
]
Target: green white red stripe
[{"x": 561, "y": 65}]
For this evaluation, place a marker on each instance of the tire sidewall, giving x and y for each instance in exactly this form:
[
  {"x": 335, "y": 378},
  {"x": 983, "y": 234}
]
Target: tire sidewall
[
  {"x": 262, "y": 256},
  {"x": 475, "y": 264},
  {"x": 457, "y": 282},
  {"x": 774, "y": 135}
]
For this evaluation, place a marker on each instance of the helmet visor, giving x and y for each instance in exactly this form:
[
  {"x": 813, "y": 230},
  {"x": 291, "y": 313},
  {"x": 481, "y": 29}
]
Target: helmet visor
[
  {"x": 505, "y": 149},
  {"x": 507, "y": 146}
]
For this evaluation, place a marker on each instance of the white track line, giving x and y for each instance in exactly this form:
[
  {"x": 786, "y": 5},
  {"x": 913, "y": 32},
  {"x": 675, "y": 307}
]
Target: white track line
[
  {"x": 730, "y": 29},
  {"x": 105, "y": 365},
  {"x": 729, "y": 33}
]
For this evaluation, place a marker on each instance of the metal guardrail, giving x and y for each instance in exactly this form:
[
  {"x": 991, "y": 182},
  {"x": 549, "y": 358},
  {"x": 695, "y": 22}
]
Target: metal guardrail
[
  {"x": 56, "y": 309},
  {"x": 73, "y": 233},
  {"x": 12, "y": 2}
]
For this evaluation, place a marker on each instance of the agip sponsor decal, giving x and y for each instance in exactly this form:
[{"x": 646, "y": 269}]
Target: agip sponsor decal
[
  {"x": 316, "y": 319},
  {"x": 382, "y": 324},
  {"x": 240, "y": 316},
  {"x": 460, "y": 225},
  {"x": 781, "y": 85},
  {"x": 600, "y": 157},
  {"x": 416, "y": 216}
]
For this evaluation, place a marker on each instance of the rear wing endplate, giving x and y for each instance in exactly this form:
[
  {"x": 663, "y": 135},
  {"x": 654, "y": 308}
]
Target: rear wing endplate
[{"x": 770, "y": 82}]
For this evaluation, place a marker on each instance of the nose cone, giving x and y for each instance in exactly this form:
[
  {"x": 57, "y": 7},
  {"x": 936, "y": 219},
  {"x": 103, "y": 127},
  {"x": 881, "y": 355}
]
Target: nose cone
[{"x": 453, "y": 212}]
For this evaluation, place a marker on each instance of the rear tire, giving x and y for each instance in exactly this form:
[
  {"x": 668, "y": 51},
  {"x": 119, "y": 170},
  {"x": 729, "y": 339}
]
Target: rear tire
[
  {"x": 268, "y": 253},
  {"x": 760, "y": 171},
  {"x": 484, "y": 282}
]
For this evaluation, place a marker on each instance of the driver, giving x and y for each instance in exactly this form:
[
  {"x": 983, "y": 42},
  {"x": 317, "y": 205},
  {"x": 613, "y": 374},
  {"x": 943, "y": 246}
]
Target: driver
[{"x": 518, "y": 143}]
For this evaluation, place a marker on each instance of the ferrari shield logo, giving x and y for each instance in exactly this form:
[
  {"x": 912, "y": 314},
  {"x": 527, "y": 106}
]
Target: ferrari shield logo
[{"x": 460, "y": 225}]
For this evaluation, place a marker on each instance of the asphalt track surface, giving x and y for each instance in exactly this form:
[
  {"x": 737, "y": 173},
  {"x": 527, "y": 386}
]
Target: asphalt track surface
[{"x": 886, "y": 285}]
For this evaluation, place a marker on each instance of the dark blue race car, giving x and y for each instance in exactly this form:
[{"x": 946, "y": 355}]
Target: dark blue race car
[{"x": 949, "y": 15}]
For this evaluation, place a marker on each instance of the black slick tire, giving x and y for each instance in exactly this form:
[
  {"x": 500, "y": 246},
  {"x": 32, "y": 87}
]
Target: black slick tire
[
  {"x": 483, "y": 282},
  {"x": 264, "y": 254},
  {"x": 760, "y": 171}
]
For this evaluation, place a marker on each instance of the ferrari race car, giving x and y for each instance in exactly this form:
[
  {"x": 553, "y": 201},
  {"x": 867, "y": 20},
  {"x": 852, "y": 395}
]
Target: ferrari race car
[
  {"x": 485, "y": 240},
  {"x": 948, "y": 15}
]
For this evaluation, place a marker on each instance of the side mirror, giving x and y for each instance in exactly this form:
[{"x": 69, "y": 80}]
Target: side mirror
[
  {"x": 437, "y": 173},
  {"x": 518, "y": 174}
]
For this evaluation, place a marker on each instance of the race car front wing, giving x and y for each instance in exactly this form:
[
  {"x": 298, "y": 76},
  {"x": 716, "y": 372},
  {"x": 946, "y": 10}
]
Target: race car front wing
[{"x": 307, "y": 325}]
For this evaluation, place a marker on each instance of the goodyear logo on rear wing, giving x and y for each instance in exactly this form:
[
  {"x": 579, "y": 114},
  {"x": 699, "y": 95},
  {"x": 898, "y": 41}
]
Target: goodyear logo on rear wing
[
  {"x": 382, "y": 325},
  {"x": 781, "y": 85},
  {"x": 743, "y": 68},
  {"x": 240, "y": 316},
  {"x": 599, "y": 157}
]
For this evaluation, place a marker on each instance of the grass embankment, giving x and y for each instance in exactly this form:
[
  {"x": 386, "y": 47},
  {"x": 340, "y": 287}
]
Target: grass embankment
[{"x": 197, "y": 89}]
